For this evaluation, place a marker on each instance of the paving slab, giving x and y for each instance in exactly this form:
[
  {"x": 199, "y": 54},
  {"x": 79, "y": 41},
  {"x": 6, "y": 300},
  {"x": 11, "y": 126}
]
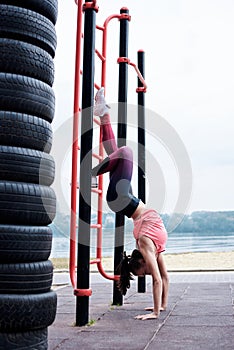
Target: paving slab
[
  {"x": 199, "y": 316},
  {"x": 192, "y": 338}
]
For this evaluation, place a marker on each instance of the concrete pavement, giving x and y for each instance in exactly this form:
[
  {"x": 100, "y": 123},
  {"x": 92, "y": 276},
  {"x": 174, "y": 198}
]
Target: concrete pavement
[{"x": 199, "y": 316}]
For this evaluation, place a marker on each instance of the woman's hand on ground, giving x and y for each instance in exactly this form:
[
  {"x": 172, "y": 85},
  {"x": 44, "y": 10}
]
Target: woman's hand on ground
[{"x": 151, "y": 316}]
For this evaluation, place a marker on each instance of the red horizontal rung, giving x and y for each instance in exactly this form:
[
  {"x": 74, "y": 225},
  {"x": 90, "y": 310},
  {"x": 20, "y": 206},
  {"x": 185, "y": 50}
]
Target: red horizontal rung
[
  {"x": 96, "y": 226},
  {"x": 102, "y": 58},
  {"x": 95, "y": 261},
  {"x": 97, "y": 156},
  {"x": 97, "y": 86},
  {"x": 96, "y": 190},
  {"x": 100, "y": 28}
]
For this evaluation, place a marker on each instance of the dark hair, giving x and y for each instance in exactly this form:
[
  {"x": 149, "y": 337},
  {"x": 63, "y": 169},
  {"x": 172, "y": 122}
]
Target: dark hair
[{"x": 128, "y": 267}]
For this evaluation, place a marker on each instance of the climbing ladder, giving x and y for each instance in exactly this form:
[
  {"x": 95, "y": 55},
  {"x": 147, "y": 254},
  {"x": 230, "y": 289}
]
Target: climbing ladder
[{"x": 80, "y": 281}]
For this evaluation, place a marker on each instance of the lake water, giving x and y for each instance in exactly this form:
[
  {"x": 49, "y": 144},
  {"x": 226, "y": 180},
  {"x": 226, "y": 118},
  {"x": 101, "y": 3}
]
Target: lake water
[{"x": 177, "y": 243}]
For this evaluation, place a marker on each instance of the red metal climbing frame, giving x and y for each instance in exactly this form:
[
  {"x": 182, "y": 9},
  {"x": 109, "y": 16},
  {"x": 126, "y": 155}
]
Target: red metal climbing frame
[{"x": 75, "y": 148}]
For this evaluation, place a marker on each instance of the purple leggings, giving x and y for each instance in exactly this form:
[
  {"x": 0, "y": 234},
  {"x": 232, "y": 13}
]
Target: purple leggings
[{"x": 119, "y": 164}]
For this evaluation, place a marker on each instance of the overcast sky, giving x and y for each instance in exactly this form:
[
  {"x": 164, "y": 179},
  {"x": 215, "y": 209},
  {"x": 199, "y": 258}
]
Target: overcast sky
[{"x": 190, "y": 77}]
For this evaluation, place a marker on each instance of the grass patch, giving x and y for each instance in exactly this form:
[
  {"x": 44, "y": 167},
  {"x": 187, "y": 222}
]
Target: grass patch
[
  {"x": 60, "y": 263},
  {"x": 63, "y": 264},
  {"x": 91, "y": 323}
]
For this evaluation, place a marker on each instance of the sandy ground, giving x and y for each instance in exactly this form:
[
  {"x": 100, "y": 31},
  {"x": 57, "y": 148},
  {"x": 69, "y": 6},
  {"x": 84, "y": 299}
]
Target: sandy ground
[{"x": 175, "y": 262}]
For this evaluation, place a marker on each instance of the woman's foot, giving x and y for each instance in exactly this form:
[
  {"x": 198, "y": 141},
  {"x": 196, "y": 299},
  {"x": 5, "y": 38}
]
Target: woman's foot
[
  {"x": 162, "y": 308},
  {"x": 100, "y": 107}
]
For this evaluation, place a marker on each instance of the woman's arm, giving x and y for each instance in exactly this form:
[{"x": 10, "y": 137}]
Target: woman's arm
[
  {"x": 148, "y": 250},
  {"x": 165, "y": 280},
  {"x": 165, "y": 283}
]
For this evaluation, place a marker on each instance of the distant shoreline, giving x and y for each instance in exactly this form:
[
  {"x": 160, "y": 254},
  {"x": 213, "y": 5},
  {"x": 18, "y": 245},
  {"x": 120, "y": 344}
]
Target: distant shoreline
[{"x": 203, "y": 261}]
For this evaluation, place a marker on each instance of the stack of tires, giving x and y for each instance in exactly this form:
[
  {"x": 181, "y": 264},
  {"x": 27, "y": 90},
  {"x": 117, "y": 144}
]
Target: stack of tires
[{"x": 27, "y": 202}]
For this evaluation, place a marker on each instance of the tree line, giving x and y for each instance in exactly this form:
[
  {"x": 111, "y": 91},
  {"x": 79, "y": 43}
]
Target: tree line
[
  {"x": 198, "y": 221},
  {"x": 205, "y": 221}
]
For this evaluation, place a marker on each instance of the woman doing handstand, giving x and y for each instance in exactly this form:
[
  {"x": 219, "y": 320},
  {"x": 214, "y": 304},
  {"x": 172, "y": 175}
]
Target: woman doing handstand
[{"x": 149, "y": 230}]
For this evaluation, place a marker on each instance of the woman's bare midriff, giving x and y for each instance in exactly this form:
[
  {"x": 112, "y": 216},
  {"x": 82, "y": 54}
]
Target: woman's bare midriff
[{"x": 139, "y": 211}]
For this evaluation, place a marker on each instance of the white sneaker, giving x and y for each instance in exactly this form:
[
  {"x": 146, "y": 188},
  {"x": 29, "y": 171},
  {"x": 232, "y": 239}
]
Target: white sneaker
[{"x": 100, "y": 108}]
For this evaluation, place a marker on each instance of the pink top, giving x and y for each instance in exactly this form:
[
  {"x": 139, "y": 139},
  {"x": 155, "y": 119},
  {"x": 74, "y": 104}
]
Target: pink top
[{"x": 150, "y": 224}]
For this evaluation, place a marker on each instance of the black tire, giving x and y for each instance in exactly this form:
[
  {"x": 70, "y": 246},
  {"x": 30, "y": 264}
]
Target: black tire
[
  {"x": 26, "y": 165},
  {"x": 32, "y": 340},
  {"x": 25, "y": 243},
  {"x": 26, "y": 95},
  {"x": 26, "y": 59},
  {"x": 26, "y": 278},
  {"x": 28, "y": 26},
  {"x": 28, "y": 312},
  {"x": 26, "y": 204},
  {"x": 22, "y": 130},
  {"x": 47, "y": 8}
]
